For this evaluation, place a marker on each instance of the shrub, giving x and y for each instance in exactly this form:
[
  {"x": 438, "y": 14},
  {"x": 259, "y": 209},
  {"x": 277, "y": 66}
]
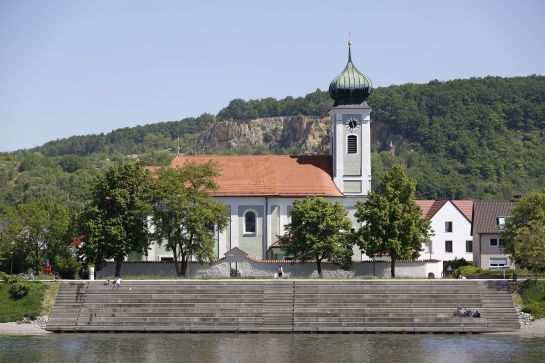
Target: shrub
[
  {"x": 67, "y": 267},
  {"x": 18, "y": 290},
  {"x": 456, "y": 263},
  {"x": 468, "y": 271},
  {"x": 4, "y": 276},
  {"x": 431, "y": 275}
]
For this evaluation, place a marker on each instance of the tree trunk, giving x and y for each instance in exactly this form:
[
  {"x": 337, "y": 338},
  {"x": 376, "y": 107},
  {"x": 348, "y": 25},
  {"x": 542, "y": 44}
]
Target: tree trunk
[
  {"x": 118, "y": 263},
  {"x": 184, "y": 264},
  {"x": 319, "y": 263},
  {"x": 393, "y": 267},
  {"x": 176, "y": 263}
]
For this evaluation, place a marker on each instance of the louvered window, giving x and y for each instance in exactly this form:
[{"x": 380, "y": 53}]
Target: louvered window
[{"x": 352, "y": 144}]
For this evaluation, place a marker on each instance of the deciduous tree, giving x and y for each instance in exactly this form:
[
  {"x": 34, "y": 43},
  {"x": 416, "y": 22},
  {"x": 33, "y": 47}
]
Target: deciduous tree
[
  {"x": 319, "y": 231},
  {"x": 37, "y": 230},
  {"x": 392, "y": 221},
  {"x": 185, "y": 214},
  {"x": 524, "y": 232},
  {"x": 114, "y": 221}
]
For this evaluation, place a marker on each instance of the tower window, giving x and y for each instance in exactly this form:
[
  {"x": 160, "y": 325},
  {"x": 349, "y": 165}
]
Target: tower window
[
  {"x": 249, "y": 222},
  {"x": 352, "y": 144}
]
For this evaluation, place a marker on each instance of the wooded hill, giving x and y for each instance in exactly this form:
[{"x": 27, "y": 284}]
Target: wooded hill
[{"x": 481, "y": 138}]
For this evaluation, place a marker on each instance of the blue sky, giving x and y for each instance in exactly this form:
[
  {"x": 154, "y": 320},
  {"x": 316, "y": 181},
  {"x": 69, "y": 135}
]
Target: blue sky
[{"x": 80, "y": 67}]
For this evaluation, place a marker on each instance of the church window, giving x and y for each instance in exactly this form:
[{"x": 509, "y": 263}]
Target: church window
[
  {"x": 250, "y": 222},
  {"x": 352, "y": 144}
]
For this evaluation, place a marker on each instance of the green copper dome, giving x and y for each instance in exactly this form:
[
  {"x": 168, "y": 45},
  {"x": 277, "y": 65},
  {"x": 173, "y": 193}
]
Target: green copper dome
[{"x": 351, "y": 87}]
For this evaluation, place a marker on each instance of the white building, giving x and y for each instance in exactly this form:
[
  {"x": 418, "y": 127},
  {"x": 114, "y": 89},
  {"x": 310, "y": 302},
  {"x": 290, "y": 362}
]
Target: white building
[{"x": 451, "y": 224}]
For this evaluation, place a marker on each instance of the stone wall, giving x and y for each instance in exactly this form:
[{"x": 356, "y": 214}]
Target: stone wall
[{"x": 252, "y": 268}]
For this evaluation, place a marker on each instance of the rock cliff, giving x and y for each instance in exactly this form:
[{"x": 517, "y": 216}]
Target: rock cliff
[
  {"x": 295, "y": 135},
  {"x": 302, "y": 134}
]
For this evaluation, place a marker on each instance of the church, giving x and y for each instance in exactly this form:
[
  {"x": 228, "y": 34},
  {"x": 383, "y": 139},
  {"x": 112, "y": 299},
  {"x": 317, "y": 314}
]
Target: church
[{"x": 260, "y": 190}]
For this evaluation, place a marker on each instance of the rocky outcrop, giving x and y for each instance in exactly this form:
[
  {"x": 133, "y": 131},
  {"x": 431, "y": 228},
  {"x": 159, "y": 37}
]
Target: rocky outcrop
[
  {"x": 306, "y": 134},
  {"x": 293, "y": 134}
]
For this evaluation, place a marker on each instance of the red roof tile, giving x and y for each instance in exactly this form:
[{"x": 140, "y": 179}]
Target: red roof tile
[
  {"x": 430, "y": 207},
  {"x": 466, "y": 207},
  {"x": 270, "y": 175}
]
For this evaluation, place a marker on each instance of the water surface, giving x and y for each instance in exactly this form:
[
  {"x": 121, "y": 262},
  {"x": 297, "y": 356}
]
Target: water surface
[{"x": 265, "y": 348}]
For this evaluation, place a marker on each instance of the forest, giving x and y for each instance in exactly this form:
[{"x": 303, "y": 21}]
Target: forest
[{"x": 479, "y": 138}]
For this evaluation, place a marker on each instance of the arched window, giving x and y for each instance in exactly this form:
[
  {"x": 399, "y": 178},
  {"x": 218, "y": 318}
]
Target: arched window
[
  {"x": 250, "y": 222},
  {"x": 352, "y": 144}
]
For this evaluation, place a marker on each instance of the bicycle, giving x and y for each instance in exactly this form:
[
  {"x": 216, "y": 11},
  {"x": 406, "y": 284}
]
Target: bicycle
[{"x": 26, "y": 276}]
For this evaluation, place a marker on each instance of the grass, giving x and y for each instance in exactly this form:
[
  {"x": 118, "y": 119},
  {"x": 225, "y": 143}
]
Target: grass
[
  {"x": 533, "y": 297},
  {"x": 30, "y": 305},
  {"x": 49, "y": 297}
]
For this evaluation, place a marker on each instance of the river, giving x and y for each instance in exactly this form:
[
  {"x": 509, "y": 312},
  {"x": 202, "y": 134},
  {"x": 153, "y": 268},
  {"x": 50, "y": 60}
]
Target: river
[{"x": 263, "y": 348}]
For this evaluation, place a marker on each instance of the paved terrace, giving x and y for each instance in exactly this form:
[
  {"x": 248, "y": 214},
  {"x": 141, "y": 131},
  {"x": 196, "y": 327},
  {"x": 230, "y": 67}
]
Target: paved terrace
[{"x": 333, "y": 306}]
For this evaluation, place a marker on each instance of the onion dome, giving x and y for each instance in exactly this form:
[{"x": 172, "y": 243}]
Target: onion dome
[{"x": 351, "y": 87}]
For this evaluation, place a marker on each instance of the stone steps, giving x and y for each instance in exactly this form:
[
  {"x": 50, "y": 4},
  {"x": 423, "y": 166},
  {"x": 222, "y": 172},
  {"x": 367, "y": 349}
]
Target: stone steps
[{"x": 283, "y": 305}]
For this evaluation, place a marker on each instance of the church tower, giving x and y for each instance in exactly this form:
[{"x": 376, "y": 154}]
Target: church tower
[{"x": 351, "y": 131}]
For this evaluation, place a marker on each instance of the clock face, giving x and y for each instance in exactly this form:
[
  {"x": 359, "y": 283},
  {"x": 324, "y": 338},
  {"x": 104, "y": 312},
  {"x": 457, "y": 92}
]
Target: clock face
[{"x": 352, "y": 124}]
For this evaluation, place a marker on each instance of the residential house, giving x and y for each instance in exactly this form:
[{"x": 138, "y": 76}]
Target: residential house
[{"x": 488, "y": 223}]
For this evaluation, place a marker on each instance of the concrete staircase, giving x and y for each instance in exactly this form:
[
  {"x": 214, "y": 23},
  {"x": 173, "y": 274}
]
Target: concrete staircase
[{"x": 414, "y": 306}]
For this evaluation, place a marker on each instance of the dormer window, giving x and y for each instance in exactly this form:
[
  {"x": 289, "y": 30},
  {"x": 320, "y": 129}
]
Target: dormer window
[{"x": 500, "y": 221}]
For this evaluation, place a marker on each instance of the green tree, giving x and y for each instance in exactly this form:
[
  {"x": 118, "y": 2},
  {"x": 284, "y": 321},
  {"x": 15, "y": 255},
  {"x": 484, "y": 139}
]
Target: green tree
[
  {"x": 114, "y": 221},
  {"x": 319, "y": 231},
  {"x": 38, "y": 231},
  {"x": 185, "y": 214},
  {"x": 392, "y": 221},
  {"x": 527, "y": 216},
  {"x": 529, "y": 247}
]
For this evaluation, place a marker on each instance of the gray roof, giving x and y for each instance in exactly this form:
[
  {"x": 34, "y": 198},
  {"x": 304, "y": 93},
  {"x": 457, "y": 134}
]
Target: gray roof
[{"x": 485, "y": 214}]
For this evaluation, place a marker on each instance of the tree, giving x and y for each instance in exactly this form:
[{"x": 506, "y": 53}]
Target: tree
[
  {"x": 392, "y": 221},
  {"x": 523, "y": 234},
  {"x": 529, "y": 247},
  {"x": 185, "y": 213},
  {"x": 114, "y": 221},
  {"x": 319, "y": 231},
  {"x": 38, "y": 231}
]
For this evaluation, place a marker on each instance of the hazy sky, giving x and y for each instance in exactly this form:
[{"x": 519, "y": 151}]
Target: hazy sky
[{"x": 80, "y": 67}]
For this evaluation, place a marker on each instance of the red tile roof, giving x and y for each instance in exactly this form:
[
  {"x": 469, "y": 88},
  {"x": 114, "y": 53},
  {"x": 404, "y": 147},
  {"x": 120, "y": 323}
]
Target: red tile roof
[
  {"x": 466, "y": 207},
  {"x": 270, "y": 175},
  {"x": 431, "y": 207}
]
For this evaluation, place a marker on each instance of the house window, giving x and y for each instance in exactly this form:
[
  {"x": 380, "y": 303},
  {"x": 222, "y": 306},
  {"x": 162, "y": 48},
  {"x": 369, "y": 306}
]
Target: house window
[
  {"x": 250, "y": 222},
  {"x": 448, "y": 246},
  {"x": 494, "y": 242},
  {"x": 497, "y": 262},
  {"x": 352, "y": 144},
  {"x": 448, "y": 226},
  {"x": 469, "y": 246},
  {"x": 501, "y": 223}
]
